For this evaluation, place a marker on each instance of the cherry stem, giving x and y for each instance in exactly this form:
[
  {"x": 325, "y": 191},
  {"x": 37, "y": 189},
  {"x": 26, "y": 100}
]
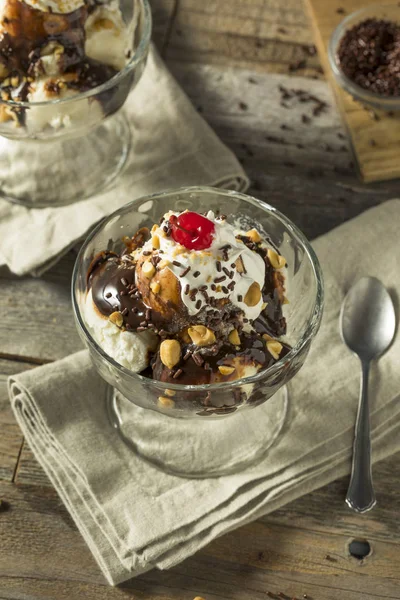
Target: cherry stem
[{"x": 183, "y": 229}]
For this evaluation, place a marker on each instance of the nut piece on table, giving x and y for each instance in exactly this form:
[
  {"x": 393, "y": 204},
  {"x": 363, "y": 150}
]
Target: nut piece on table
[
  {"x": 201, "y": 335},
  {"x": 276, "y": 260},
  {"x": 274, "y": 348},
  {"x": 253, "y": 295},
  {"x": 170, "y": 353},
  {"x": 116, "y": 318}
]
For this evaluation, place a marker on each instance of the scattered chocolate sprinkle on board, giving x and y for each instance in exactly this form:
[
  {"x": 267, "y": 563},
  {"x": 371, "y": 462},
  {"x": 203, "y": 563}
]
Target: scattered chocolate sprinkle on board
[{"x": 375, "y": 162}]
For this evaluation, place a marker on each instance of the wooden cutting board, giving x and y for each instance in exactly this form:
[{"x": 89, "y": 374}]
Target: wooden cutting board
[{"x": 374, "y": 134}]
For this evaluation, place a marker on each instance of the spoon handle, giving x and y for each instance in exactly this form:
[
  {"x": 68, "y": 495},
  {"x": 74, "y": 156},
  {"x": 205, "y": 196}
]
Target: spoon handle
[{"x": 360, "y": 495}]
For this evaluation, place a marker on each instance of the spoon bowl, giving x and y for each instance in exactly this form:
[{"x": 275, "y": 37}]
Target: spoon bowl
[{"x": 368, "y": 318}]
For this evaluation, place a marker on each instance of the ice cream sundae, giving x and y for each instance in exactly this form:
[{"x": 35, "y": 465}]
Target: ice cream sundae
[
  {"x": 195, "y": 300},
  {"x": 54, "y": 50}
]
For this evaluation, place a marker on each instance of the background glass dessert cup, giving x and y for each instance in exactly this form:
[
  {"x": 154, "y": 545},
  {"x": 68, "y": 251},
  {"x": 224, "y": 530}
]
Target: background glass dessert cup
[
  {"x": 63, "y": 80},
  {"x": 205, "y": 430}
]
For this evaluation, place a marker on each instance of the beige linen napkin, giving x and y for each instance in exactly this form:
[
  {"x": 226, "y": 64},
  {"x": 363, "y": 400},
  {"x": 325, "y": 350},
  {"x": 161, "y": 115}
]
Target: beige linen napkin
[
  {"x": 172, "y": 147},
  {"x": 133, "y": 516}
]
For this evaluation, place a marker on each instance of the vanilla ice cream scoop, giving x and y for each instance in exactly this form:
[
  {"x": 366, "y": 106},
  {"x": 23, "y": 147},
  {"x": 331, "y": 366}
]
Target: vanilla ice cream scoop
[{"x": 129, "y": 349}]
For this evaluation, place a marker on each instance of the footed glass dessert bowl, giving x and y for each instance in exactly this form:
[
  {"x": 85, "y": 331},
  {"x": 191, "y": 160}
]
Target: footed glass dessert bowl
[
  {"x": 194, "y": 319},
  {"x": 66, "y": 69}
]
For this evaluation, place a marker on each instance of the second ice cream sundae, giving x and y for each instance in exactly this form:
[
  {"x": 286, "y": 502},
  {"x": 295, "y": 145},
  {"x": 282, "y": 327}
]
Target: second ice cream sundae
[
  {"x": 195, "y": 300},
  {"x": 53, "y": 50}
]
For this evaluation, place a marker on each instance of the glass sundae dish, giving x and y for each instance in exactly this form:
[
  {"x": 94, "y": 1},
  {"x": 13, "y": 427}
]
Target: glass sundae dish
[
  {"x": 197, "y": 316},
  {"x": 65, "y": 67}
]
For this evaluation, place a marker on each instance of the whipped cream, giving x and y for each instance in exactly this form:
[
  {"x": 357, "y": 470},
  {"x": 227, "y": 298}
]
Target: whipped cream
[
  {"x": 55, "y": 6},
  {"x": 129, "y": 349},
  {"x": 208, "y": 262}
]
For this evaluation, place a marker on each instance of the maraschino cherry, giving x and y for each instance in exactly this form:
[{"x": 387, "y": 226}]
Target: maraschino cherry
[{"x": 192, "y": 230}]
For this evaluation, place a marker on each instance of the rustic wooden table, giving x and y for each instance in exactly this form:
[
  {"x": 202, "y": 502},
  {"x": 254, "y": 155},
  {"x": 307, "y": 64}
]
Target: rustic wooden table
[{"x": 231, "y": 57}]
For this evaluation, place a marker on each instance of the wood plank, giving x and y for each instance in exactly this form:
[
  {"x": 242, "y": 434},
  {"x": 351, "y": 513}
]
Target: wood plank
[
  {"x": 264, "y": 35},
  {"x": 376, "y": 162},
  {"x": 38, "y": 312},
  {"x": 286, "y": 551},
  {"x": 10, "y": 433},
  {"x": 305, "y": 170}
]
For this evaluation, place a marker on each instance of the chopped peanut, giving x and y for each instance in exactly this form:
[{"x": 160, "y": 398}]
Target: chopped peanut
[
  {"x": 170, "y": 353},
  {"x": 201, "y": 335}
]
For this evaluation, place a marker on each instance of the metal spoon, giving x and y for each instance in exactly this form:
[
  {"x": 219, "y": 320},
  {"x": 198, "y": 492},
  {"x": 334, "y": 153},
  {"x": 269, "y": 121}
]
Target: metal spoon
[{"x": 368, "y": 325}]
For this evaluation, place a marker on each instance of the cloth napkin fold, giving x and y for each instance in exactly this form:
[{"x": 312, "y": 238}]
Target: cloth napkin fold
[
  {"x": 172, "y": 146},
  {"x": 135, "y": 517}
]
